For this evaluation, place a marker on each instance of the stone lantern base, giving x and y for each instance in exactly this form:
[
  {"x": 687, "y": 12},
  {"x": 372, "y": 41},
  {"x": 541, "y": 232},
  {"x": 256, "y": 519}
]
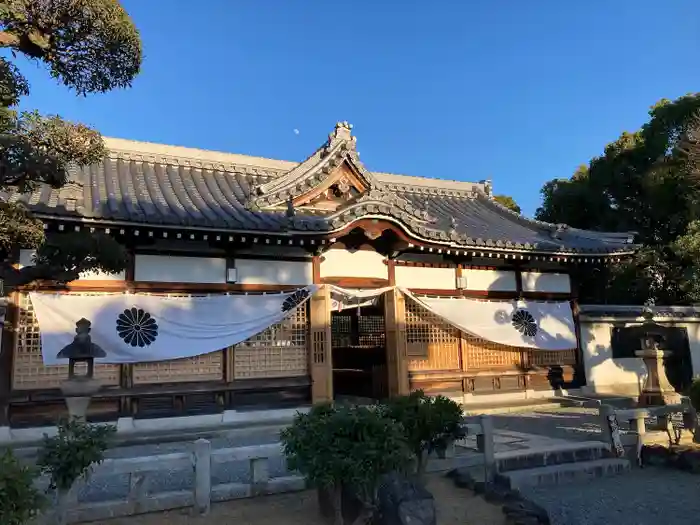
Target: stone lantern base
[
  {"x": 657, "y": 390},
  {"x": 78, "y": 392}
]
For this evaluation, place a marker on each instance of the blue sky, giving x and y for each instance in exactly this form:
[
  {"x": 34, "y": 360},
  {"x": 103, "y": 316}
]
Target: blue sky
[{"x": 519, "y": 92}]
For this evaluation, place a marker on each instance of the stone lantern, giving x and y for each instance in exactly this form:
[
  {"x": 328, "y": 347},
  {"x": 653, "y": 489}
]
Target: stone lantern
[
  {"x": 79, "y": 389},
  {"x": 657, "y": 389}
]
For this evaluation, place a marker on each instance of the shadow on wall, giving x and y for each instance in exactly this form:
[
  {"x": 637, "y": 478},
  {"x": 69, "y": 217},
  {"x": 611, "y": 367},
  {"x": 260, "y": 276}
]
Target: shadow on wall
[{"x": 604, "y": 371}]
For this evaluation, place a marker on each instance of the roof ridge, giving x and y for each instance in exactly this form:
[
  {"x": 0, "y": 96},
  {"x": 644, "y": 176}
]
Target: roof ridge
[{"x": 169, "y": 154}]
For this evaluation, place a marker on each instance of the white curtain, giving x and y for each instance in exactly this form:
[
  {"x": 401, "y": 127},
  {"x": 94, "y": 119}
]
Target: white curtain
[
  {"x": 541, "y": 325},
  {"x": 343, "y": 298},
  {"x": 133, "y": 328}
]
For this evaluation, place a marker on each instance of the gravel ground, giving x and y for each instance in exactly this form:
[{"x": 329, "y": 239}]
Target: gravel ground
[
  {"x": 648, "y": 496},
  {"x": 454, "y": 507}
]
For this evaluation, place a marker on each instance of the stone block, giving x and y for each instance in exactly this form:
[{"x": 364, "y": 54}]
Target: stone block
[{"x": 404, "y": 501}]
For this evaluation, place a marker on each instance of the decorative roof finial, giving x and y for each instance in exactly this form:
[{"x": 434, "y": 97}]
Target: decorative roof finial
[
  {"x": 290, "y": 208},
  {"x": 488, "y": 187},
  {"x": 341, "y": 134}
]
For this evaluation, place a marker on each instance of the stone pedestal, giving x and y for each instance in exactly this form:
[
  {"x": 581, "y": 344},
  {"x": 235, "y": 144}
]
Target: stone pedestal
[
  {"x": 657, "y": 389},
  {"x": 79, "y": 392}
]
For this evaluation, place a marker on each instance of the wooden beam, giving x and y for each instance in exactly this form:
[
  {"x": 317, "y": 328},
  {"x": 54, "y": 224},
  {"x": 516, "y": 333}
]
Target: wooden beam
[
  {"x": 319, "y": 345},
  {"x": 163, "y": 287},
  {"x": 397, "y": 361},
  {"x": 7, "y": 348}
]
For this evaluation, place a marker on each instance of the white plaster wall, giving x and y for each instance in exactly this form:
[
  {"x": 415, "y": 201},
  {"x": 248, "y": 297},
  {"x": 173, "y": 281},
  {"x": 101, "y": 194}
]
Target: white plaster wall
[
  {"x": 26, "y": 258},
  {"x": 428, "y": 278},
  {"x": 694, "y": 341},
  {"x": 492, "y": 280},
  {"x": 173, "y": 269},
  {"x": 546, "y": 282},
  {"x": 252, "y": 271},
  {"x": 360, "y": 263},
  {"x": 603, "y": 373}
]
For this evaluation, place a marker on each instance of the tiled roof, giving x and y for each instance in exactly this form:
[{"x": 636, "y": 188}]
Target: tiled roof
[{"x": 150, "y": 184}]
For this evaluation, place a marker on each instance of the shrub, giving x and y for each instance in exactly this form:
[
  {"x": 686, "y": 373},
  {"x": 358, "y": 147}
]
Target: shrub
[
  {"x": 19, "y": 499},
  {"x": 348, "y": 446},
  {"x": 430, "y": 423},
  {"x": 69, "y": 455},
  {"x": 694, "y": 393}
]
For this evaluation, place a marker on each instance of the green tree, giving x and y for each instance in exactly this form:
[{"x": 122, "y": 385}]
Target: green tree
[
  {"x": 508, "y": 202},
  {"x": 90, "y": 46},
  {"x": 349, "y": 447},
  {"x": 430, "y": 423},
  {"x": 645, "y": 182}
]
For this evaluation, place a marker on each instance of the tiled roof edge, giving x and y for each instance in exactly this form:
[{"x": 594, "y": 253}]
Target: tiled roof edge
[
  {"x": 167, "y": 154},
  {"x": 621, "y": 237}
]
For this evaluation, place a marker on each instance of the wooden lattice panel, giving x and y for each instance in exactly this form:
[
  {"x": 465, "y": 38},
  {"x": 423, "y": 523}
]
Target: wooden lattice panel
[
  {"x": 549, "y": 358},
  {"x": 279, "y": 351},
  {"x": 478, "y": 353},
  {"x": 431, "y": 343},
  {"x": 207, "y": 367},
  {"x": 28, "y": 370},
  {"x": 371, "y": 331}
]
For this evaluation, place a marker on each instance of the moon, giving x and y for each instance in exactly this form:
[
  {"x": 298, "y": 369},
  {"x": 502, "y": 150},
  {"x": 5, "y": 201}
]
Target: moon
[{"x": 296, "y": 131}]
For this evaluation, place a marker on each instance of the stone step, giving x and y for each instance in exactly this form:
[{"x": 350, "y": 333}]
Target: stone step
[
  {"x": 562, "y": 473},
  {"x": 573, "y": 452}
]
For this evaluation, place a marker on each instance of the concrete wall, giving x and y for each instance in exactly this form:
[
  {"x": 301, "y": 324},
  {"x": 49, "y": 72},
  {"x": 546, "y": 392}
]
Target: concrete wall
[
  {"x": 605, "y": 375},
  {"x": 173, "y": 269},
  {"x": 491, "y": 280},
  {"x": 360, "y": 263},
  {"x": 253, "y": 271},
  {"x": 26, "y": 258},
  {"x": 427, "y": 278}
]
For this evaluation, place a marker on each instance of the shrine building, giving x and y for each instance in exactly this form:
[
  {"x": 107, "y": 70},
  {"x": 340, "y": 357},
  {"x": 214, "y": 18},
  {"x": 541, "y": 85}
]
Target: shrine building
[{"x": 411, "y": 283}]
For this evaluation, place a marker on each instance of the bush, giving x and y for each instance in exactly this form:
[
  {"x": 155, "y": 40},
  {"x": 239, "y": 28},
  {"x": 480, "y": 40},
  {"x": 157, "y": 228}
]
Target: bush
[
  {"x": 694, "y": 393},
  {"x": 19, "y": 499},
  {"x": 336, "y": 447},
  {"x": 431, "y": 423},
  {"x": 69, "y": 455}
]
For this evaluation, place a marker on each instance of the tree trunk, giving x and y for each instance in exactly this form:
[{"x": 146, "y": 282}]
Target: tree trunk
[
  {"x": 421, "y": 463},
  {"x": 60, "y": 507},
  {"x": 338, "y": 504}
]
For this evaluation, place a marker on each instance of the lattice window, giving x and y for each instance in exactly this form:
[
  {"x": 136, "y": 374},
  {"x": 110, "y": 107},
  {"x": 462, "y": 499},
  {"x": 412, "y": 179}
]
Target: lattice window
[
  {"x": 424, "y": 330},
  {"x": 431, "y": 343},
  {"x": 371, "y": 332},
  {"x": 279, "y": 351},
  {"x": 555, "y": 357},
  {"x": 478, "y": 353},
  {"x": 28, "y": 371},
  {"x": 207, "y": 367},
  {"x": 341, "y": 330}
]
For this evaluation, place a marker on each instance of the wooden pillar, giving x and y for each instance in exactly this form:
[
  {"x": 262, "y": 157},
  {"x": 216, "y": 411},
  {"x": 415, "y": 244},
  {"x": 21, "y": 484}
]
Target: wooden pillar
[
  {"x": 7, "y": 348},
  {"x": 395, "y": 322},
  {"x": 320, "y": 356}
]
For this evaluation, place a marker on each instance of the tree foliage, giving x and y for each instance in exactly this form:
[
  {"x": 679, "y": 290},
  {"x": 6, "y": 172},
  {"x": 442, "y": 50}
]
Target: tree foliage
[
  {"x": 345, "y": 446},
  {"x": 69, "y": 455},
  {"x": 508, "y": 202},
  {"x": 430, "y": 423},
  {"x": 90, "y": 46},
  {"x": 647, "y": 182},
  {"x": 19, "y": 498}
]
